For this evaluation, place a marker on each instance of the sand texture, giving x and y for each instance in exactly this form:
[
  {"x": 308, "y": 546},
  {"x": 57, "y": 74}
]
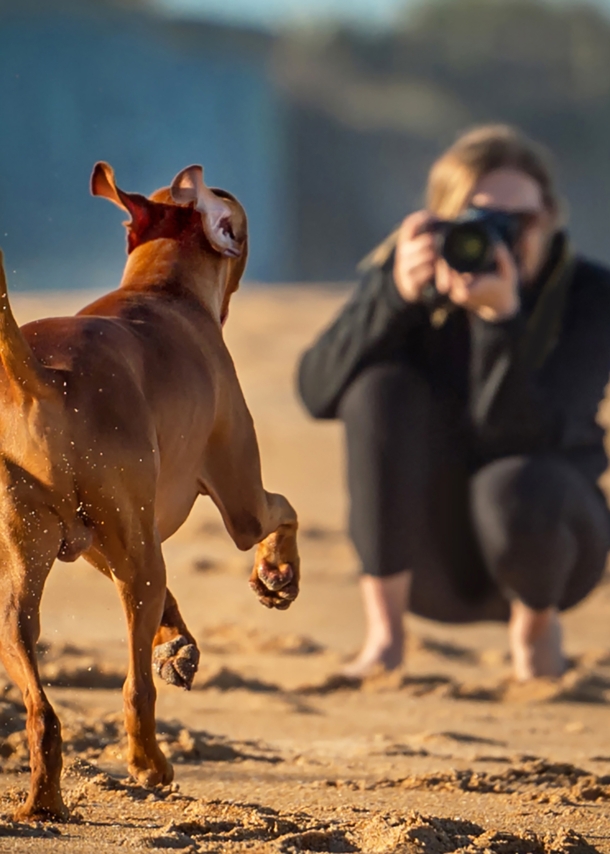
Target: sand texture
[{"x": 273, "y": 752}]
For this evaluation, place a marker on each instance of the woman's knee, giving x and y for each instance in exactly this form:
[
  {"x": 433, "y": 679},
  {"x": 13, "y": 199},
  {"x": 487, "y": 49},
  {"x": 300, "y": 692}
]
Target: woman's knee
[
  {"x": 523, "y": 522},
  {"x": 522, "y": 494},
  {"x": 380, "y": 391}
]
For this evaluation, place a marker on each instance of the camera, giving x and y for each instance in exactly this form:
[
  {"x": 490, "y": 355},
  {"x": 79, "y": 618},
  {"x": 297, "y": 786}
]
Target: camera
[{"x": 468, "y": 243}]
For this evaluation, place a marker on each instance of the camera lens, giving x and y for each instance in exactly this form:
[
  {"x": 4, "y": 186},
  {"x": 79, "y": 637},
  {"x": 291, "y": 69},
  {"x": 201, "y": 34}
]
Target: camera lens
[{"x": 468, "y": 248}]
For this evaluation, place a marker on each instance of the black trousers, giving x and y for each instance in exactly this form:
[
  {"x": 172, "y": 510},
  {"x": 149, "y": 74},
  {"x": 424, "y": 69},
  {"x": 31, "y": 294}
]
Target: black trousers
[{"x": 530, "y": 527}]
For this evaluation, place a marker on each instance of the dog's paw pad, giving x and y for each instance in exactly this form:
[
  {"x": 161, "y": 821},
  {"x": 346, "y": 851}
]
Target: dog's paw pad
[
  {"x": 176, "y": 662},
  {"x": 276, "y": 587},
  {"x": 274, "y": 578}
]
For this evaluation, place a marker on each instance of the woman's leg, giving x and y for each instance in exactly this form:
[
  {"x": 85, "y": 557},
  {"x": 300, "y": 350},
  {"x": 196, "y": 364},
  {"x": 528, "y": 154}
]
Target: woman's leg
[
  {"x": 535, "y": 641},
  {"x": 386, "y": 416},
  {"x": 544, "y": 532},
  {"x": 385, "y": 600}
]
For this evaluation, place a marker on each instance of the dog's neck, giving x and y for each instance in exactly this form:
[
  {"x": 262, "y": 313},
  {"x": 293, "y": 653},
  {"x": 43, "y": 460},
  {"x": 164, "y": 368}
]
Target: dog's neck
[{"x": 165, "y": 263}]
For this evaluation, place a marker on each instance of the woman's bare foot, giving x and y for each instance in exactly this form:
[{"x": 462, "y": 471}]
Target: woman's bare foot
[
  {"x": 535, "y": 642},
  {"x": 385, "y": 602},
  {"x": 373, "y": 658}
]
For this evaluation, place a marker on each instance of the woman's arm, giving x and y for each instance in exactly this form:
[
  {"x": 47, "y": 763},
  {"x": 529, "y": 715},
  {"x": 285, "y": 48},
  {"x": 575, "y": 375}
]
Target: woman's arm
[
  {"x": 371, "y": 327},
  {"x": 374, "y": 324}
]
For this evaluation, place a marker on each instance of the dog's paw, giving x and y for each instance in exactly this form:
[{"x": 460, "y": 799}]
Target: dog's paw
[
  {"x": 275, "y": 586},
  {"x": 150, "y": 774},
  {"x": 52, "y": 809},
  {"x": 176, "y": 662},
  {"x": 275, "y": 577}
]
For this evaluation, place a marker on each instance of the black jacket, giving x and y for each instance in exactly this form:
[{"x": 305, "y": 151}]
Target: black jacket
[{"x": 532, "y": 383}]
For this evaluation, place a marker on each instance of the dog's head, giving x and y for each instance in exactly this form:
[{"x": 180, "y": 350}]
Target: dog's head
[{"x": 187, "y": 211}]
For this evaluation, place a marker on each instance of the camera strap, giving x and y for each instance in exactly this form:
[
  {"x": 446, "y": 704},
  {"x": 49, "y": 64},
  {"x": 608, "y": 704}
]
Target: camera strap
[{"x": 544, "y": 325}]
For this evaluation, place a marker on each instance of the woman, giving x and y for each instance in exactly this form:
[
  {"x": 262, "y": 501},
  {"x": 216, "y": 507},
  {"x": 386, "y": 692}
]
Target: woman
[{"x": 472, "y": 444}]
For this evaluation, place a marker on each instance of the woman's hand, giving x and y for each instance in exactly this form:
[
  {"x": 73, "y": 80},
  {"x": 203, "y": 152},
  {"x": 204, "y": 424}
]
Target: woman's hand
[
  {"x": 493, "y": 296},
  {"x": 415, "y": 259}
]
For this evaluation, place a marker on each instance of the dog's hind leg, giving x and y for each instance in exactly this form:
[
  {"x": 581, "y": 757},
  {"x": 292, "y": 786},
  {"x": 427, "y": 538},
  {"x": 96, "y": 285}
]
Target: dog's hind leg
[
  {"x": 175, "y": 653},
  {"x": 138, "y": 570},
  {"x": 29, "y": 543}
]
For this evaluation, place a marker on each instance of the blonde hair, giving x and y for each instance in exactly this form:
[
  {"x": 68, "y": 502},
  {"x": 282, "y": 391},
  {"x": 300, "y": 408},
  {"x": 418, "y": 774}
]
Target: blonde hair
[
  {"x": 478, "y": 152},
  {"x": 473, "y": 155}
]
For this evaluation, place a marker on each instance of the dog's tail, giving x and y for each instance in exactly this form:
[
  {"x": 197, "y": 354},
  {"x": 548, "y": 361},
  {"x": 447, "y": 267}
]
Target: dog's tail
[{"x": 19, "y": 364}]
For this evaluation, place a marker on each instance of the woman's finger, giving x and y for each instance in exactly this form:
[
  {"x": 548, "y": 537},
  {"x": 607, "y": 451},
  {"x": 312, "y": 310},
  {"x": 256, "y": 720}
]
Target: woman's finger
[
  {"x": 444, "y": 276},
  {"x": 406, "y": 248},
  {"x": 415, "y": 249},
  {"x": 423, "y": 274},
  {"x": 414, "y": 225},
  {"x": 423, "y": 255}
]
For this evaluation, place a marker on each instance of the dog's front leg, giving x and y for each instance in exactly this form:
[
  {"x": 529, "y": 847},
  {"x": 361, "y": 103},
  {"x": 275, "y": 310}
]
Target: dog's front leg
[
  {"x": 251, "y": 514},
  {"x": 266, "y": 519},
  {"x": 276, "y": 573}
]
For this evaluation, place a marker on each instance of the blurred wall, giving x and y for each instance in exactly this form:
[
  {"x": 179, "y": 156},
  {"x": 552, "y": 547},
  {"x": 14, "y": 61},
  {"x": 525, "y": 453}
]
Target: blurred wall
[
  {"x": 325, "y": 136},
  {"x": 370, "y": 112},
  {"x": 87, "y": 82}
]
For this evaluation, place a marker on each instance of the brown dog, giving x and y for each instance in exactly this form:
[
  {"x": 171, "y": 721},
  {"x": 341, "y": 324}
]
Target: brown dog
[{"x": 112, "y": 423}]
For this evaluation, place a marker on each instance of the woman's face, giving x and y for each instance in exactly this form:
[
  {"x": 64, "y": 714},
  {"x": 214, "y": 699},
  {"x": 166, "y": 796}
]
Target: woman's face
[{"x": 515, "y": 192}]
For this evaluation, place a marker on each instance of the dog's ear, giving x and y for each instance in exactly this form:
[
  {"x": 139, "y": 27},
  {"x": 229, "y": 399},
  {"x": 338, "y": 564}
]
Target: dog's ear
[
  {"x": 137, "y": 206},
  {"x": 220, "y": 217}
]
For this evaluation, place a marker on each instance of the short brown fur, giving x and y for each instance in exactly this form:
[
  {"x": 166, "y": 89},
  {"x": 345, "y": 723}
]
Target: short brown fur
[{"x": 113, "y": 422}]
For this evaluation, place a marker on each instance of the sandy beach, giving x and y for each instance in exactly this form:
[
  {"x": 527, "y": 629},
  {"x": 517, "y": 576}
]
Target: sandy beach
[{"x": 272, "y": 753}]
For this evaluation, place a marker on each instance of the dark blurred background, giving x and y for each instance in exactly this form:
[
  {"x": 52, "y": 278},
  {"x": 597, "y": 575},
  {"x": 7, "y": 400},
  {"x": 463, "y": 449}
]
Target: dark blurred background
[{"x": 324, "y": 128}]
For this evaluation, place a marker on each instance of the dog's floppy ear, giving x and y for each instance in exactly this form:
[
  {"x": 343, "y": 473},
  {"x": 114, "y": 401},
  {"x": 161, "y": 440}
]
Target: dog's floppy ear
[
  {"x": 137, "y": 206},
  {"x": 220, "y": 219}
]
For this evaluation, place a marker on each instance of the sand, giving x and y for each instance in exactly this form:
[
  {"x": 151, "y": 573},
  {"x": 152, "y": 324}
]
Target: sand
[{"x": 272, "y": 752}]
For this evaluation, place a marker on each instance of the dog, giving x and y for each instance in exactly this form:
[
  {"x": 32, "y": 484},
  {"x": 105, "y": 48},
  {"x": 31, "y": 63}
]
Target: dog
[{"x": 113, "y": 421}]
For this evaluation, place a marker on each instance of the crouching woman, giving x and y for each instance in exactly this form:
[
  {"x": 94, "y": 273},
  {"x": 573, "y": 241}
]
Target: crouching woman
[{"x": 469, "y": 405}]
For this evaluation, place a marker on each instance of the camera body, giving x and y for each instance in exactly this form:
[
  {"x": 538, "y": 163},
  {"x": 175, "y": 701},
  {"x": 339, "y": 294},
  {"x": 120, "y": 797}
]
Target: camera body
[{"x": 468, "y": 243}]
